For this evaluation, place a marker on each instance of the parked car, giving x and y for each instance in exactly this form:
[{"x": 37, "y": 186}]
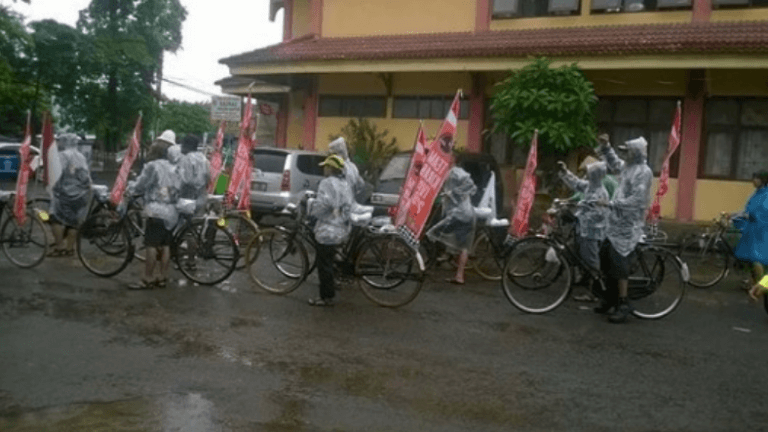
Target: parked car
[
  {"x": 9, "y": 160},
  {"x": 280, "y": 176},
  {"x": 386, "y": 192}
]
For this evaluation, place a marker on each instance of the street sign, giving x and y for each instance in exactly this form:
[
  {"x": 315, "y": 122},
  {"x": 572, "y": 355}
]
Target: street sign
[{"x": 226, "y": 108}]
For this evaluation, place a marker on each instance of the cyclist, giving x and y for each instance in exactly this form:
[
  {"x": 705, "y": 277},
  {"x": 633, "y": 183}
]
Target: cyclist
[
  {"x": 332, "y": 209},
  {"x": 753, "y": 223},
  {"x": 159, "y": 184},
  {"x": 609, "y": 181},
  {"x": 626, "y": 219},
  {"x": 351, "y": 173},
  {"x": 592, "y": 219},
  {"x": 193, "y": 172}
]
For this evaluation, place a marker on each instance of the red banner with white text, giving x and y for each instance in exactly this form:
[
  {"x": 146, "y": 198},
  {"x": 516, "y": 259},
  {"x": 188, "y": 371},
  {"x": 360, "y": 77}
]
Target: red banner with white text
[
  {"x": 216, "y": 161},
  {"x": 527, "y": 194},
  {"x": 118, "y": 189},
  {"x": 20, "y": 204},
  {"x": 412, "y": 176}
]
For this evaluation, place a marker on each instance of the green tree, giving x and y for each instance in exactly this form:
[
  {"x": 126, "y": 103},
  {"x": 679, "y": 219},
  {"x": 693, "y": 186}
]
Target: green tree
[
  {"x": 370, "y": 149},
  {"x": 185, "y": 118},
  {"x": 559, "y": 102}
]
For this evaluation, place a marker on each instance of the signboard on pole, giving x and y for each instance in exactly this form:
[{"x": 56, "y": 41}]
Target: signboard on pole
[{"x": 227, "y": 108}]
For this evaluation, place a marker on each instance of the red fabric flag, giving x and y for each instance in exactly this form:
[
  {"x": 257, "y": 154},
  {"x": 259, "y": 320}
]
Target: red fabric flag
[
  {"x": 20, "y": 204},
  {"x": 412, "y": 177},
  {"x": 245, "y": 193},
  {"x": 215, "y": 159},
  {"x": 242, "y": 156},
  {"x": 49, "y": 178},
  {"x": 118, "y": 189},
  {"x": 674, "y": 142},
  {"x": 527, "y": 192}
]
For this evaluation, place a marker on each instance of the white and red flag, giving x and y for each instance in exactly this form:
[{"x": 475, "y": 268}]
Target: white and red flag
[
  {"x": 412, "y": 177},
  {"x": 240, "y": 168},
  {"x": 51, "y": 162},
  {"x": 522, "y": 212},
  {"x": 216, "y": 161},
  {"x": 118, "y": 189},
  {"x": 674, "y": 142},
  {"x": 20, "y": 204}
]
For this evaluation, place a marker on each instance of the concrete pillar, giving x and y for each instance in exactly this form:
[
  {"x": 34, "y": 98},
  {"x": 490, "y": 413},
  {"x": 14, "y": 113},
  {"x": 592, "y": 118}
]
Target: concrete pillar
[
  {"x": 483, "y": 16},
  {"x": 316, "y": 17},
  {"x": 287, "y": 20},
  {"x": 702, "y": 9},
  {"x": 281, "y": 132},
  {"x": 310, "y": 117},
  {"x": 690, "y": 144},
  {"x": 476, "y": 114}
]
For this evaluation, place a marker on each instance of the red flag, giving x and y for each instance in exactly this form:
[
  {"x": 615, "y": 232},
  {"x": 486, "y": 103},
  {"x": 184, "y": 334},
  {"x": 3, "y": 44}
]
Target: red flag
[
  {"x": 49, "y": 178},
  {"x": 20, "y": 204},
  {"x": 118, "y": 189},
  {"x": 242, "y": 156},
  {"x": 519, "y": 226},
  {"x": 412, "y": 177},
  {"x": 245, "y": 193},
  {"x": 215, "y": 158},
  {"x": 674, "y": 142}
]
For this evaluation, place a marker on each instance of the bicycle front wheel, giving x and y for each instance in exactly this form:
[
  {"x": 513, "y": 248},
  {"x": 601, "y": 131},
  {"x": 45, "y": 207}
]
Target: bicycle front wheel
[
  {"x": 243, "y": 230},
  {"x": 656, "y": 283},
  {"x": 104, "y": 245},
  {"x": 24, "y": 245},
  {"x": 536, "y": 277},
  {"x": 389, "y": 271},
  {"x": 707, "y": 260},
  {"x": 277, "y": 261},
  {"x": 484, "y": 258},
  {"x": 205, "y": 252}
]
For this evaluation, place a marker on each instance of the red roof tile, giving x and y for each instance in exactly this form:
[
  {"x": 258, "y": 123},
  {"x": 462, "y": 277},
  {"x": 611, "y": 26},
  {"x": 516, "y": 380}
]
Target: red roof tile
[{"x": 684, "y": 38}]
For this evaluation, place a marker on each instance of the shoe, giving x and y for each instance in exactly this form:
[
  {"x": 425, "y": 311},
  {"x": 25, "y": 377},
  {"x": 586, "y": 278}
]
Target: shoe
[
  {"x": 320, "y": 302},
  {"x": 621, "y": 314},
  {"x": 455, "y": 281},
  {"x": 142, "y": 285},
  {"x": 586, "y": 297}
]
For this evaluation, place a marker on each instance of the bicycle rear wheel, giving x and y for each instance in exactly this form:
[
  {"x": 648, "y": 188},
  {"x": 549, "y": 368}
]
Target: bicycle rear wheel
[
  {"x": 707, "y": 260},
  {"x": 277, "y": 261},
  {"x": 205, "y": 252},
  {"x": 484, "y": 258},
  {"x": 24, "y": 245},
  {"x": 656, "y": 283},
  {"x": 389, "y": 272},
  {"x": 536, "y": 277},
  {"x": 104, "y": 245}
]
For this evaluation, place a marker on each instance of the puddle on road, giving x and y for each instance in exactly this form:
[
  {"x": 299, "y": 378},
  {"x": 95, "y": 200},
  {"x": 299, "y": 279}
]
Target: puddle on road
[{"x": 173, "y": 412}]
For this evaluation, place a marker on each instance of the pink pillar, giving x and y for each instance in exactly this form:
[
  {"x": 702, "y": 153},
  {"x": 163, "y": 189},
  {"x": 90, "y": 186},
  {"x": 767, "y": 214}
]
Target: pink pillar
[
  {"x": 281, "y": 132},
  {"x": 701, "y": 10},
  {"x": 287, "y": 20},
  {"x": 310, "y": 117},
  {"x": 690, "y": 144},
  {"x": 483, "y": 16},
  {"x": 316, "y": 17},
  {"x": 476, "y": 114}
]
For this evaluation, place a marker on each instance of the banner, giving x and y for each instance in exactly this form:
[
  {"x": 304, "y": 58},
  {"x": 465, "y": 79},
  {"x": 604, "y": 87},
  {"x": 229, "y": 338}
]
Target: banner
[
  {"x": 412, "y": 176},
  {"x": 240, "y": 171},
  {"x": 51, "y": 162},
  {"x": 522, "y": 212},
  {"x": 437, "y": 163},
  {"x": 22, "y": 179},
  {"x": 216, "y": 162},
  {"x": 118, "y": 189},
  {"x": 674, "y": 142}
]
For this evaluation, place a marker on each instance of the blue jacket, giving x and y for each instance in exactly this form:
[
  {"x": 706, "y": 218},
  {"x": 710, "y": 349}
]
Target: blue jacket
[{"x": 753, "y": 246}]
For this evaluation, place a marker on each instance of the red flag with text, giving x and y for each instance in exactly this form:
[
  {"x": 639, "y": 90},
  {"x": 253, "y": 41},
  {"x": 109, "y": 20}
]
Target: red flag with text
[
  {"x": 118, "y": 189},
  {"x": 437, "y": 163},
  {"x": 522, "y": 212},
  {"x": 674, "y": 142},
  {"x": 216, "y": 161},
  {"x": 20, "y": 204},
  {"x": 412, "y": 177},
  {"x": 240, "y": 171}
]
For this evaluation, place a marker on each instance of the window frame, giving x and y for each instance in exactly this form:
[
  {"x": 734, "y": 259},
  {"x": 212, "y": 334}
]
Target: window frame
[
  {"x": 547, "y": 12},
  {"x": 446, "y": 100},
  {"x": 346, "y": 100}
]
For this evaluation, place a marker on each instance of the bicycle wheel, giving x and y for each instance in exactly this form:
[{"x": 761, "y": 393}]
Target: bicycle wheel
[
  {"x": 243, "y": 230},
  {"x": 281, "y": 249},
  {"x": 707, "y": 260},
  {"x": 656, "y": 283},
  {"x": 272, "y": 254},
  {"x": 484, "y": 258},
  {"x": 205, "y": 252},
  {"x": 104, "y": 245},
  {"x": 25, "y": 245},
  {"x": 389, "y": 271},
  {"x": 536, "y": 277}
]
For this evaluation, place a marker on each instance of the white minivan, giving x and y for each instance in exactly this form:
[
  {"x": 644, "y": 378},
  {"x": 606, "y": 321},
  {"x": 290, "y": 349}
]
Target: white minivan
[{"x": 280, "y": 176}]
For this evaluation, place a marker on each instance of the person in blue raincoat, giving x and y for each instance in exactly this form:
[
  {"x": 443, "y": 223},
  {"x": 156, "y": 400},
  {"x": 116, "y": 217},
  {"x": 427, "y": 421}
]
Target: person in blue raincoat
[
  {"x": 70, "y": 195},
  {"x": 753, "y": 223}
]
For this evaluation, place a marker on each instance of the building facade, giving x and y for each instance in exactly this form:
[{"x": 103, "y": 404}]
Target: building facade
[{"x": 400, "y": 61}]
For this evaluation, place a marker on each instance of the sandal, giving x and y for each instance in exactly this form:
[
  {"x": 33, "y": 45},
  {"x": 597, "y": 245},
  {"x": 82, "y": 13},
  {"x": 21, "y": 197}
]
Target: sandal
[
  {"x": 455, "y": 281},
  {"x": 142, "y": 285},
  {"x": 320, "y": 302}
]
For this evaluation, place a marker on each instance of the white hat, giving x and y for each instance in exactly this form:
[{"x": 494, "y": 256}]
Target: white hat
[
  {"x": 587, "y": 160},
  {"x": 168, "y": 136}
]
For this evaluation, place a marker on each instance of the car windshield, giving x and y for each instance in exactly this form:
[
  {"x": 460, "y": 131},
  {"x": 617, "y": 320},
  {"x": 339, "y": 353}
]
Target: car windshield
[{"x": 397, "y": 168}]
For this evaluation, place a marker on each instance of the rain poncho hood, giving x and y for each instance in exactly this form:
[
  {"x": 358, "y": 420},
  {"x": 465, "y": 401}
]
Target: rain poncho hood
[
  {"x": 457, "y": 227},
  {"x": 194, "y": 173},
  {"x": 159, "y": 184},
  {"x": 632, "y": 198},
  {"x": 174, "y": 154},
  {"x": 593, "y": 219},
  {"x": 332, "y": 208},
  {"x": 351, "y": 173},
  {"x": 71, "y": 194},
  {"x": 753, "y": 246}
]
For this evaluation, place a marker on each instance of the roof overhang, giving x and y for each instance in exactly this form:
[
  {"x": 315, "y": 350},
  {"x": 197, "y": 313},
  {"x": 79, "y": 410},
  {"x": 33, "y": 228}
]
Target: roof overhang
[{"x": 243, "y": 86}]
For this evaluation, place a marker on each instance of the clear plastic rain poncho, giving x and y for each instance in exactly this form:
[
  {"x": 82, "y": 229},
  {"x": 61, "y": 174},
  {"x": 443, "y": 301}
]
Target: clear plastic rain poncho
[
  {"x": 194, "y": 173},
  {"x": 351, "y": 173},
  {"x": 174, "y": 154},
  {"x": 457, "y": 227},
  {"x": 332, "y": 208},
  {"x": 632, "y": 197},
  {"x": 71, "y": 194},
  {"x": 593, "y": 219},
  {"x": 159, "y": 184}
]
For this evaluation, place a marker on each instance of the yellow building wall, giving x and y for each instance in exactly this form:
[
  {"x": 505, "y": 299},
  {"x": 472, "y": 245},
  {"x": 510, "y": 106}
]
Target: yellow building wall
[
  {"x": 300, "y": 25},
  {"x": 713, "y": 197},
  {"x": 295, "y": 129},
  {"x": 361, "y": 84},
  {"x": 376, "y": 17},
  {"x": 737, "y": 82},
  {"x": 745, "y": 14},
  {"x": 651, "y": 82},
  {"x": 418, "y": 83}
]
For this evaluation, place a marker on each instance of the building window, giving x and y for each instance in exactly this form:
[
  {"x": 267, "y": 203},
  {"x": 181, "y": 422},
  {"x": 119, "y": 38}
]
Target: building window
[
  {"x": 353, "y": 106},
  {"x": 608, "y": 6},
  {"x": 736, "y": 138},
  {"x": 625, "y": 119},
  {"x": 534, "y": 8},
  {"x": 722, "y": 4},
  {"x": 427, "y": 107}
]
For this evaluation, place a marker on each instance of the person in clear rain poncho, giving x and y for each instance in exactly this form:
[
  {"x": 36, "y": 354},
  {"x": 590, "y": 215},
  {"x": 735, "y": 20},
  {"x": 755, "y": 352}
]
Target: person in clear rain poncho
[
  {"x": 193, "y": 172},
  {"x": 456, "y": 230},
  {"x": 351, "y": 173},
  {"x": 332, "y": 208},
  {"x": 592, "y": 218},
  {"x": 70, "y": 195},
  {"x": 159, "y": 185},
  {"x": 626, "y": 219}
]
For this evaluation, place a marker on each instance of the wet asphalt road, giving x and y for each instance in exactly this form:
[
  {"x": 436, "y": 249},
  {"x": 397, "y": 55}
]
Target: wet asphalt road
[{"x": 81, "y": 353}]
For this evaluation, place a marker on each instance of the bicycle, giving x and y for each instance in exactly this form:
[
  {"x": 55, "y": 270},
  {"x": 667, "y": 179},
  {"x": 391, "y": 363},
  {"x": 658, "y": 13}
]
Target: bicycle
[
  {"x": 540, "y": 270},
  {"x": 238, "y": 222},
  {"x": 387, "y": 269},
  {"x": 203, "y": 249},
  {"x": 24, "y": 245}
]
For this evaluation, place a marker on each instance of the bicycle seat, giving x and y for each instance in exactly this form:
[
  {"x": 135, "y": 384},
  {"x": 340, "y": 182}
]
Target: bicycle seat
[
  {"x": 498, "y": 222},
  {"x": 5, "y": 196}
]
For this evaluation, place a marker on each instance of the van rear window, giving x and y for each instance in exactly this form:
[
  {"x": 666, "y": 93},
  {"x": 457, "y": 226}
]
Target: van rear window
[
  {"x": 270, "y": 162},
  {"x": 310, "y": 164}
]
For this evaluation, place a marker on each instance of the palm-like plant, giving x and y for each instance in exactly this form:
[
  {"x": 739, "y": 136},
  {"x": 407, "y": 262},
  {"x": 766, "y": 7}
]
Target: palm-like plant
[{"x": 370, "y": 149}]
